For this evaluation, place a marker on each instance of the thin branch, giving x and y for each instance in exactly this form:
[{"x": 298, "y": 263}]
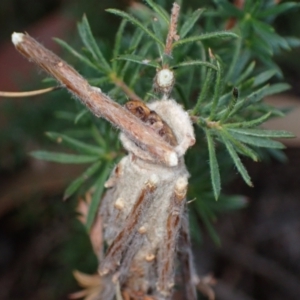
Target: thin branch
[
  {"x": 29, "y": 93},
  {"x": 98, "y": 103},
  {"x": 172, "y": 33},
  {"x": 125, "y": 88}
]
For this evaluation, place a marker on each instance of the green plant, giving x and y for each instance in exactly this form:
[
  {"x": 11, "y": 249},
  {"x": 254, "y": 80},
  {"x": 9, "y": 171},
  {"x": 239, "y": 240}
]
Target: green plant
[{"x": 222, "y": 89}]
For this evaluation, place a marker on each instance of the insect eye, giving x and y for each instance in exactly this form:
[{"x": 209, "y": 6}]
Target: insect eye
[
  {"x": 151, "y": 121},
  {"x": 162, "y": 132},
  {"x": 140, "y": 111}
]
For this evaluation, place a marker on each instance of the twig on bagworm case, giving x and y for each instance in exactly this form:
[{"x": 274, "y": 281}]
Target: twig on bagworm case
[
  {"x": 99, "y": 103},
  {"x": 172, "y": 33},
  {"x": 122, "y": 85}
]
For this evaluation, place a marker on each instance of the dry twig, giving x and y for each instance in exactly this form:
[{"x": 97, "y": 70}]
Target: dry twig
[
  {"x": 99, "y": 103},
  {"x": 29, "y": 93},
  {"x": 172, "y": 33}
]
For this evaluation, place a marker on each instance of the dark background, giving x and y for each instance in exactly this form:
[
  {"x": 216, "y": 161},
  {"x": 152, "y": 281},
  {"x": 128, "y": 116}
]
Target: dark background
[{"x": 41, "y": 241}]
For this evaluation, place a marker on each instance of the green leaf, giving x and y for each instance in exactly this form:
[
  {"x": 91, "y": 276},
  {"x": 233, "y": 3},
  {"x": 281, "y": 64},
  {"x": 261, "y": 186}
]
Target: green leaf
[
  {"x": 135, "y": 22},
  {"x": 205, "y": 36},
  {"x": 136, "y": 39},
  {"x": 138, "y": 59},
  {"x": 256, "y": 141},
  {"x": 64, "y": 158},
  {"x": 159, "y": 34},
  {"x": 246, "y": 73},
  {"x": 229, "y": 9},
  {"x": 89, "y": 41},
  {"x": 278, "y": 155},
  {"x": 244, "y": 57},
  {"x": 235, "y": 58},
  {"x": 195, "y": 63},
  {"x": 64, "y": 115},
  {"x": 252, "y": 123},
  {"x": 74, "y": 185},
  {"x": 276, "y": 89},
  {"x": 75, "y": 144},
  {"x": 225, "y": 99},
  {"x": 263, "y": 133},
  {"x": 159, "y": 10},
  {"x": 217, "y": 92},
  {"x": 196, "y": 232},
  {"x": 275, "y": 10},
  {"x": 247, "y": 84},
  {"x": 98, "y": 137},
  {"x": 135, "y": 71},
  {"x": 76, "y": 54},
  {"x": 260, "y": 47},
  {"x": 240, "y": 147},
  {"x": 268, "y": 34},
  {"x": 190, "y": 22},
  {"x": 237, "y": 161},
  {"x": 256, "y": 96},
  {"x": 203, "y": 212},
  {"x": 293, "y": 41},
  {"x": 263, "y": 77},
  {"x": 262, "y": 26},
  {"x": 96, "y": 198},
  {"x": 229, "y": 203},
  {"x": 99, "y": 81},
  {"x": 80, "y": 115},
  {"x": 117, "y": 45},
  {"x": 203, "y": 58},
  {"x": 214, "y": 166},
  {"x": 204, "y": 91},
  {"x": 234, "y": 98},
  {"x": 253, "y": 7}
]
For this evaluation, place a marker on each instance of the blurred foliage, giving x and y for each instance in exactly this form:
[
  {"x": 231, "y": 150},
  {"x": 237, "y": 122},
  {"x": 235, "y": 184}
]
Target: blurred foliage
[
  {"x": 27, "y": 123},
  {"x": 17, "y": 14},
  {"x": 41, "y": 235},
  {"x": 26, "y": 120}
]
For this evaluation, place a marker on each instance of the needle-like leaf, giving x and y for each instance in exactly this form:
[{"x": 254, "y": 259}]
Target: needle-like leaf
[
  {"x": 237, "y": 161},
  {"x": 64, "y": 158},
  {"x": 139, "y": 60},
  {"x": 96, "y": 198},
  {"x": 82, "y": 58},
  {"x": 136, "y": 22},
  {"x": 90, "y": 42},
  {"x": 190, "y": 22},
  {"x": 205, "y": 36},
  {"x": 159, "y": 10},
  {"x": 214, "y": 166},
  {"x": 75, "y": 184},
  {"x": 75, "y": 144}
]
